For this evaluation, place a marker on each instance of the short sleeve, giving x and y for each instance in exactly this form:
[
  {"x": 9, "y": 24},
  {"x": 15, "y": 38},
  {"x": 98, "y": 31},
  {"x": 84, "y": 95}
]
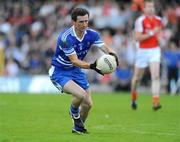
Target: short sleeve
[
  {"x": 66, "y": 46},
  {"x": 139, "y": 25},
  {"x": 97, "y": 40},
  {"x": 160, "y": 23}
]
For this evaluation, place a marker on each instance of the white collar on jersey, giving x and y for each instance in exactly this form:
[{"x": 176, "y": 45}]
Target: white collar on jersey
[{"x": 77, "y": 36}]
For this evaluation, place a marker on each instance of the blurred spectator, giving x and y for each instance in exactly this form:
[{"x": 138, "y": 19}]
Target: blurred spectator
[
  {"x": 35, "y": 63},
  {"x": 12, "y": 68},
  {"x": 172, "y": 58},
  {"x": 29, "y": 29},
  {"x": 5, "y": 27},
  {"x": 137, "y": 5},
  {"x": 122, "y": 77}
]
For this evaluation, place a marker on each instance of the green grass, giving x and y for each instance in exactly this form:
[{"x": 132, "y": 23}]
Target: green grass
[{"x": 44, "y": 118}]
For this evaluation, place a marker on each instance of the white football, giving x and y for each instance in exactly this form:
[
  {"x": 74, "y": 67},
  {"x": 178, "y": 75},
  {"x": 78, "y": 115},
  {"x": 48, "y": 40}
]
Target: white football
[{"x": 106, "y": 63}]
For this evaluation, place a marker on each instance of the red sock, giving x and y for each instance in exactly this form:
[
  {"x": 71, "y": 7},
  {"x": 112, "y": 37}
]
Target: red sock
[
  {"x": 155, "y": 100},
  {"x": 133, "y": 95}
]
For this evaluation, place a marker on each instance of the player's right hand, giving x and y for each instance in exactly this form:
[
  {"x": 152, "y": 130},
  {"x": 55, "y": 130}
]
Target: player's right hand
[
  {"x": 154, "y": 31},
  {"x": 93, "y": 66}
]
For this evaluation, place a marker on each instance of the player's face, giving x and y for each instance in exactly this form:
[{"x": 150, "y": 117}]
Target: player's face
[
  {"x": 149, "y": 8},
  {"x": 81, "y": 23}
]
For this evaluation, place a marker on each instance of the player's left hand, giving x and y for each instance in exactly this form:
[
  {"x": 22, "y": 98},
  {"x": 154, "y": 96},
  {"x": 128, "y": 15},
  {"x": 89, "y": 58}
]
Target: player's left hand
[
  {"x": 94, "y": 67},
  {"x": 115, "y": 56}
]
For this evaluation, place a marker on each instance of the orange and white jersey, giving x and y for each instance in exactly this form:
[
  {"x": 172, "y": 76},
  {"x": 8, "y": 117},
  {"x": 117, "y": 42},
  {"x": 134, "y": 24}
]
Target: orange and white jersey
[{"x": 145, "y": 24}]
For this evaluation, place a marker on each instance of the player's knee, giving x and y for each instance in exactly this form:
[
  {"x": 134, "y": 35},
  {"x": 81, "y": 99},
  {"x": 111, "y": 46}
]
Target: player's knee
[
  {"x": 155, "y": 78},
  {"x": 81, "y": 97},
  {"x": 87, "y": 105},
  {"x": 136, "y": 79}
]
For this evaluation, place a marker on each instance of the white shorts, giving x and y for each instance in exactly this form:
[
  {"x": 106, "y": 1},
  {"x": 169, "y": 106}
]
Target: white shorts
[{"x": 146, "y": 56}]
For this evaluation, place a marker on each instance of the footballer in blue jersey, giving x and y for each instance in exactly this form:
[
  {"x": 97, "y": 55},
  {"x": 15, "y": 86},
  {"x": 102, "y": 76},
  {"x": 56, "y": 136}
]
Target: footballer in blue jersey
[{"x": 72, "y": 46}]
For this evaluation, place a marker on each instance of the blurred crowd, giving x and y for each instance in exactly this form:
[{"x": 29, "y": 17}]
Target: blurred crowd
[{"x": 29, "y": 29}]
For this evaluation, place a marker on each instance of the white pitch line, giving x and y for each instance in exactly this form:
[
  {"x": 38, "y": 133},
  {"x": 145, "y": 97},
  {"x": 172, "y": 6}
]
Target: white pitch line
[
  {"x": 125, "y": 130},
  {"x": 156, "y": 133}
]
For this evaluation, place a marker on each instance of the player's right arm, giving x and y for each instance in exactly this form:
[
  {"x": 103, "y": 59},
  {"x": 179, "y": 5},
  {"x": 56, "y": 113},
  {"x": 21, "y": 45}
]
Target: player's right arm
[
  {"x": 76, "y": 62},
  {"x": 141, "y": 36},
  {"x": 68, "y": 49},
  {"x": 82, "y": 64}
]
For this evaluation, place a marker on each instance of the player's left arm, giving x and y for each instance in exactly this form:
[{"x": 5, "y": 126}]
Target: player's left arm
[{"x": 104, "y": 47}]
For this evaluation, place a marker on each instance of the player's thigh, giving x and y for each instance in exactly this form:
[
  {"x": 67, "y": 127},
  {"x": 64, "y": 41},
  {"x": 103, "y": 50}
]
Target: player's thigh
[
  {"x": 80, "y": 78},
  {"x": 155, "y": 63},
  {"x": 154, "y": 70},
  {"x": 74, "y": 89},
  {"x": 141, "y": 60},
  {"x": 155, "y": 55},
  {"x": 63, "y": 80},
  {"x": 138, "y": 73},
  {"x": 59, "y": 77}
]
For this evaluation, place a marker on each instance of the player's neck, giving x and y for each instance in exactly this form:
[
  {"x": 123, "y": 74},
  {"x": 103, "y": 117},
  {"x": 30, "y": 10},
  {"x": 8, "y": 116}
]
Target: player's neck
[
  {"x": 79, "y": 33},
  {"x": 150, "y": 16}
]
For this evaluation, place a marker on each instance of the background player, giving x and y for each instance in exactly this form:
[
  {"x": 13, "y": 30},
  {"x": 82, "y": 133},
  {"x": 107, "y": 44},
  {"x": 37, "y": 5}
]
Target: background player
[
  {"x": 147, "y": 28},
  {"x": 72, "y": 46}
]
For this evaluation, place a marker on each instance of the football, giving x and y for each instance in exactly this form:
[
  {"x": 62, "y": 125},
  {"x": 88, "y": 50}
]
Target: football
[{"x": 106, "y": 63}]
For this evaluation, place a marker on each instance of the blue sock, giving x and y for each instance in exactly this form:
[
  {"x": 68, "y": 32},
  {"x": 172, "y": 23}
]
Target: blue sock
[{"x": 74, "y": 110}]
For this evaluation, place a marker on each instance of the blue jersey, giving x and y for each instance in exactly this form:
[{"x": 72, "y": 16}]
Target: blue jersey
[{"x": 68, "y": 43}]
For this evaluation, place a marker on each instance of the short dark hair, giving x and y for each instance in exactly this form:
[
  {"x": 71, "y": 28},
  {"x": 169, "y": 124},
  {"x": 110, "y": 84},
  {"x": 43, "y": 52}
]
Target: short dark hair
[
  {"x": 148, "y": 1},
  {"x": 78, "y": 12}
]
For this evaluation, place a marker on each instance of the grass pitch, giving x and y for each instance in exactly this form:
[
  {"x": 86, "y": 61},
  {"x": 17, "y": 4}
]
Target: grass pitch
[{"x": 44, "y": 118}]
